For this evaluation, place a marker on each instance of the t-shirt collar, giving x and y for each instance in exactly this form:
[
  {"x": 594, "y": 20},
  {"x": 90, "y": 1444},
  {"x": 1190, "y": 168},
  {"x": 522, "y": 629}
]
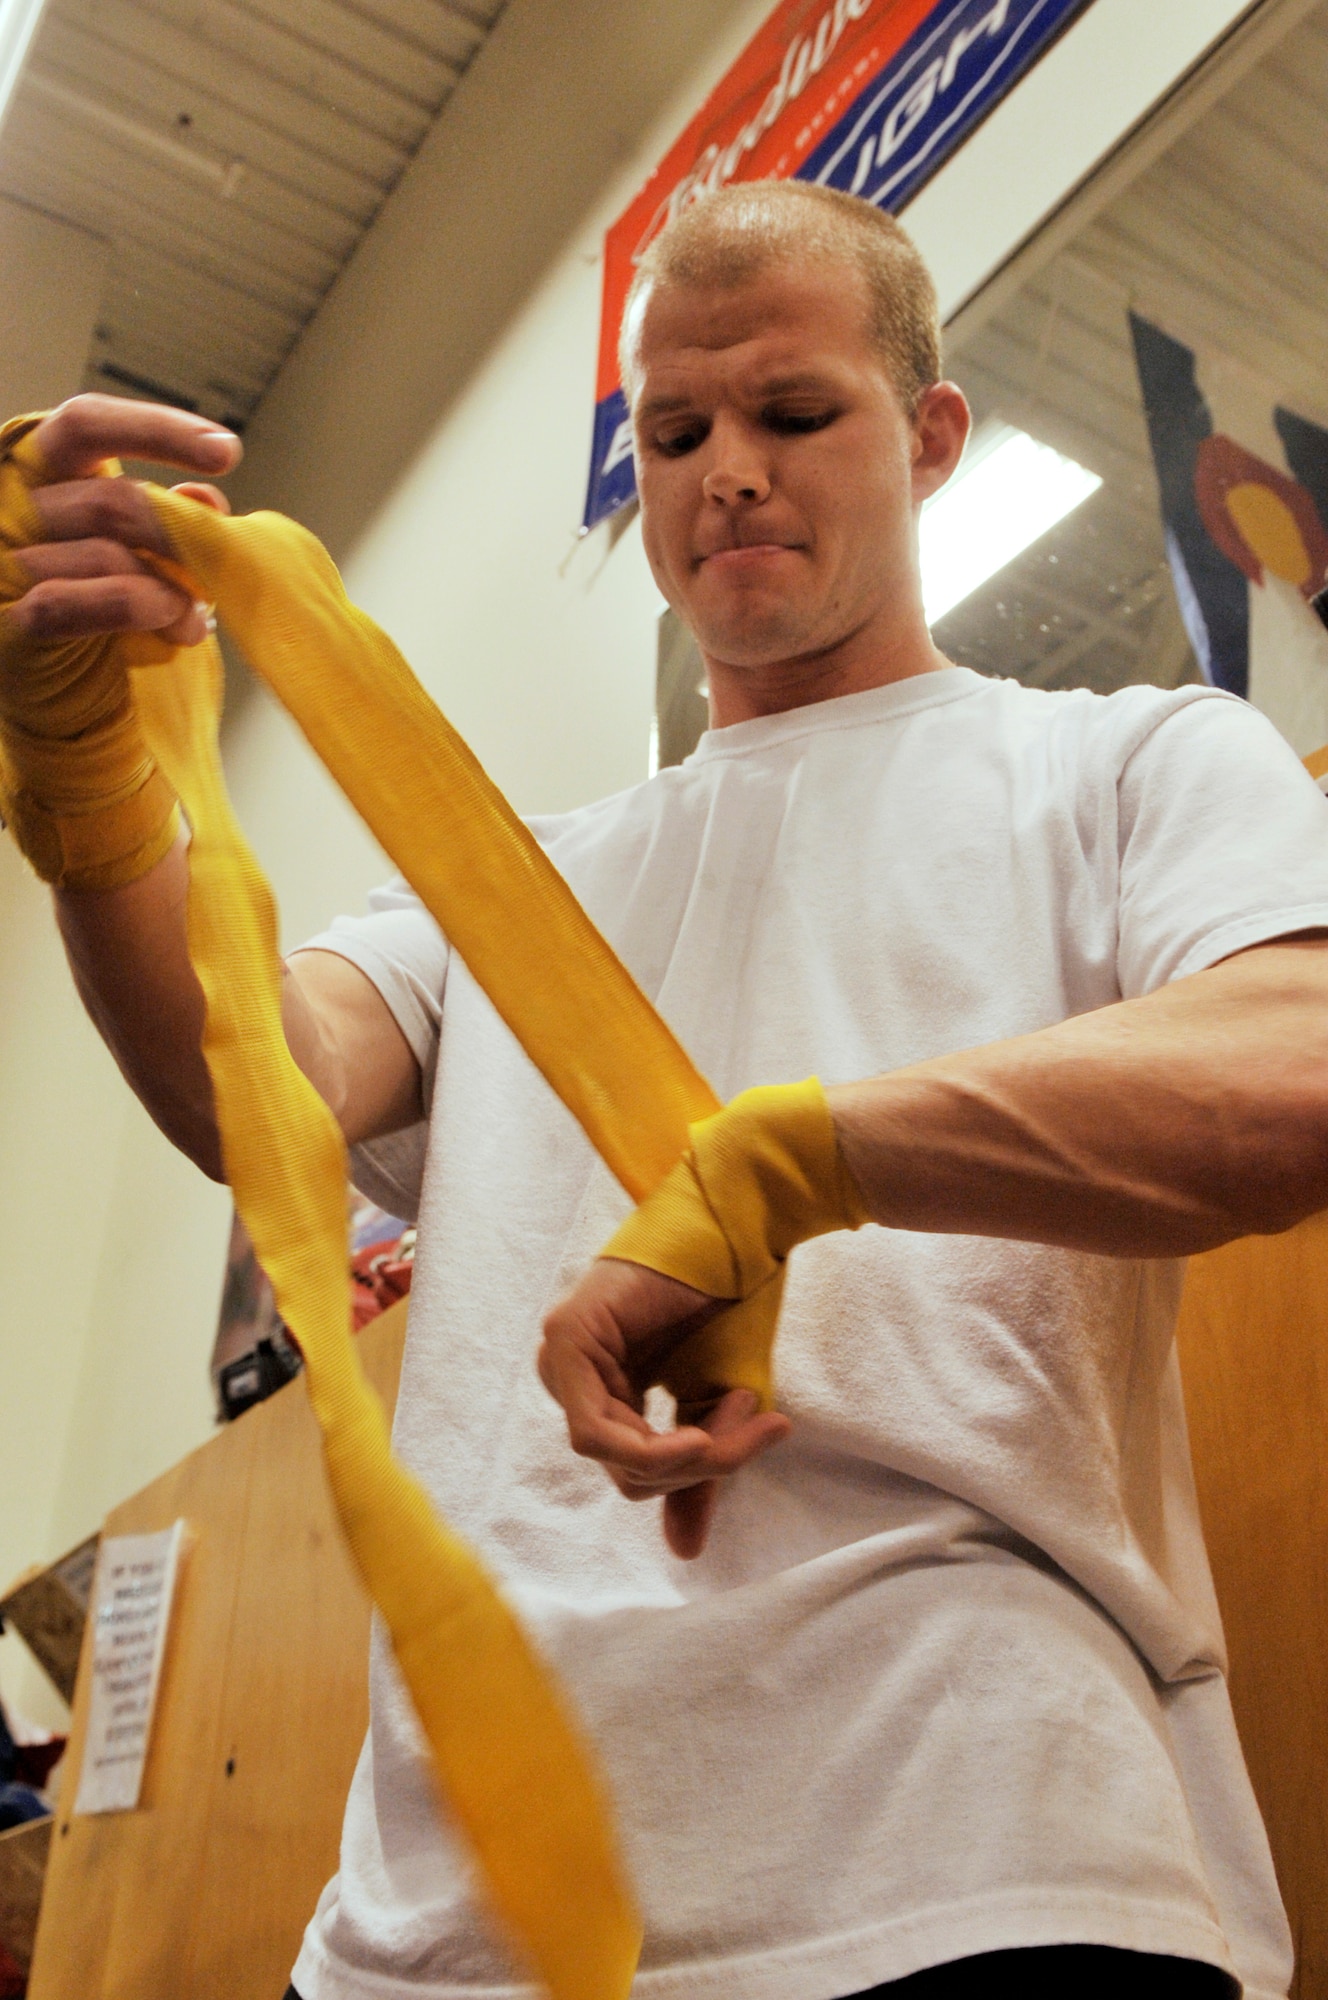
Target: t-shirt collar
[{"x": 845, "y": 711}]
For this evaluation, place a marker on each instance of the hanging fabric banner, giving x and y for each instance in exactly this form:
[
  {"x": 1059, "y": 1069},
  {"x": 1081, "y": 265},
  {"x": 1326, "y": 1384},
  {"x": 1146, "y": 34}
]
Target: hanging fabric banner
[
  {"x": 870, "y": 96},
  {"x": 1243, "y": 483}
]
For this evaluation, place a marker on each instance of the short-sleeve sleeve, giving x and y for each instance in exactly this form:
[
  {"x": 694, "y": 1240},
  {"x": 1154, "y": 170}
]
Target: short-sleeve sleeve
[
  {"x": 400, "y": 948},
  {"x": 1223, "y": 841}
]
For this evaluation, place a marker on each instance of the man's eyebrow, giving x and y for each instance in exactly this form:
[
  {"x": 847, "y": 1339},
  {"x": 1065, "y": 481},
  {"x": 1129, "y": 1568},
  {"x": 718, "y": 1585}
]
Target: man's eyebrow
[
  {"x": 775, "y": 385},
  {"x": 661, "y": 406},
  {"x": 783, "y": 385}
]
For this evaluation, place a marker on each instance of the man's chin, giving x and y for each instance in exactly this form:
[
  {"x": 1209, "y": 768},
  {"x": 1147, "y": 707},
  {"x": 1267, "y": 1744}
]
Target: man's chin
[{"x": 749, "y": 643}]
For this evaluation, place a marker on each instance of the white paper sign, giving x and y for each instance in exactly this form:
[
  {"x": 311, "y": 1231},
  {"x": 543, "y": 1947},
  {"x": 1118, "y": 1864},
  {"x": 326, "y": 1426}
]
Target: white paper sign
[{"x": 131, "y": 1612}]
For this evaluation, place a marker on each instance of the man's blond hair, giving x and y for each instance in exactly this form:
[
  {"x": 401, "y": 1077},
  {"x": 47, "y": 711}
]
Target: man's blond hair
[{"x": 738, "y": 232}]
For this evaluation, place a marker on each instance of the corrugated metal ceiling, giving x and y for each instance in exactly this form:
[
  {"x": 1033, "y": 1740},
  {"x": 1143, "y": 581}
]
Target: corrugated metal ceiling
[{"x": 233, "y": 152}]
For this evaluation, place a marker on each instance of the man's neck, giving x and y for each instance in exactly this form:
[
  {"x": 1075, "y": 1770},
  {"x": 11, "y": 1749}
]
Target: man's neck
[{"x": 744, "y": 693}]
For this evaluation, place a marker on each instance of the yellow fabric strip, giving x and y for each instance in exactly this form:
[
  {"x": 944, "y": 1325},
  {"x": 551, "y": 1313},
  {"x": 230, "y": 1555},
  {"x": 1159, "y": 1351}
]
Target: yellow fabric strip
[
  {"x": 508, "y": 1755},
  {"x": 88, "y": 814},
  {"x": 566, "y": 996},
  {"x": 424, "y": 795}
]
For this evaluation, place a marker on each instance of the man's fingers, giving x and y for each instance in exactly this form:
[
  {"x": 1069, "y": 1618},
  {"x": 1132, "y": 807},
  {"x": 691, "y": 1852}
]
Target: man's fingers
[
  {"x": 594, "y": 1361},
  {"x": 206, "y": 496},
  {"x": 687, "y": 1518},
  {"x": 115, "y": 510},
  {"x": 579, "y": 1377},
  {"x": 689, "y": 1510},
  {"x": 61, "y": 607},
  {"x": 608, "y": 1428},
  {"x": 645, "y": 1463},
  {"x": 736, "y": 1432},
  {"x": 79, "y": 559},
  {"x": 191, "y": 628},
  {"x": 75, "y": 439}
]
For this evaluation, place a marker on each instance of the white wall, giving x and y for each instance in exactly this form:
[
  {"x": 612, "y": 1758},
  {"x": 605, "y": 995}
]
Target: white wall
[
  {"x": 53, "y": 276},
  {"x": 61, "y": 1104},
  {"x": 61, "y": 1115},
  {"x": 433, "y": 426},
  {"x": 108, "y": 1242}
]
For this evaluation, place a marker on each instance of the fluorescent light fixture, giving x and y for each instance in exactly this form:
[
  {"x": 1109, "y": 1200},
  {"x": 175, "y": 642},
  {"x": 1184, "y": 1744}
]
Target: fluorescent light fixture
[
  {"x": 1006, "y": 491},
  {"x": 18, "y": 23}
]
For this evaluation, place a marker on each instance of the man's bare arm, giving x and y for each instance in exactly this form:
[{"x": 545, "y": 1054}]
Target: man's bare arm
[
  {"x": 126, "y": 949},
  {"x": 1152, "y": 1128},
  {"x": 130, "y": 961}
]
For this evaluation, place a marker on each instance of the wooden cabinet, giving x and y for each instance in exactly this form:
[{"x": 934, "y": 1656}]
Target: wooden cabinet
[
  {"x": 206, "y": 1889},
  {"x": 1254, "y": 1355}
]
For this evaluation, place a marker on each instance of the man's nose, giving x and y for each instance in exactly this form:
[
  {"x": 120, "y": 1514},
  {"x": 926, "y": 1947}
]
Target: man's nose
[{"x": 737, "y": 473}]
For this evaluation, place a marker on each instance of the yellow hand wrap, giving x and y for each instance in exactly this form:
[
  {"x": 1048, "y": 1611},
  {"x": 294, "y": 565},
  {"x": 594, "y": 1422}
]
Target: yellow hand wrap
[
  {"x": 79, "y": 789},
  {"x": 758, "y": 1178}
]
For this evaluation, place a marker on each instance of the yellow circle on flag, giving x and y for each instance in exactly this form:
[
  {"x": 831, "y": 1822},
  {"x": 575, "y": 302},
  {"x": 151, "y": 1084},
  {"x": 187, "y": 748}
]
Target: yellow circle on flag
[{"x": 1270, "y": 531}]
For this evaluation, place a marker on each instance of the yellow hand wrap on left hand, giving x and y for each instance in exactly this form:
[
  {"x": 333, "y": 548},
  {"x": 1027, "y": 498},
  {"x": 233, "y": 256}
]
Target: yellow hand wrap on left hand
[
  {"x": 79, "y": 789},
  {"x": 759, "y": 1178}
]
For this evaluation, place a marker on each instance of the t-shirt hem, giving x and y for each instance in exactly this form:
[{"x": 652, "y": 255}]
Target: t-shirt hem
[
  {"x": 849, "y": 1964},
  {"x": 1242, "y": 933},
  {"x": 385, "y": 975},
  {"x": 371, "y": 1162}
]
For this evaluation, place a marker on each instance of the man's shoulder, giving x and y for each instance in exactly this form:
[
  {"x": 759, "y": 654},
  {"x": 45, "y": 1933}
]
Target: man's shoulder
[
  {"x": 612, "y": 818},
  {"x": 1091, "y": 709},
  {"x": 1113, "y": 725}
]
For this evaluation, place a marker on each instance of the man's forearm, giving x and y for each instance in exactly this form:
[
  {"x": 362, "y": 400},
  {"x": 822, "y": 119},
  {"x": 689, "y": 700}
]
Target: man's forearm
[
  {"x": 128, "y": 949},
  {"x": 129, "y": 954},
  {"x": 1155, "y": 1127}
]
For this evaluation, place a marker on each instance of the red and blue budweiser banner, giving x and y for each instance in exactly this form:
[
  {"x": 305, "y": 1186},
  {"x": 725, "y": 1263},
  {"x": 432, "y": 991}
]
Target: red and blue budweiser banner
[{"x": 871, "y": 96}]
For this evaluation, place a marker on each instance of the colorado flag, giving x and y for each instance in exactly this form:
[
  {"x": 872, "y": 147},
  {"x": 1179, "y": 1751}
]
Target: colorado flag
[{"x": 1244, "y": 489}]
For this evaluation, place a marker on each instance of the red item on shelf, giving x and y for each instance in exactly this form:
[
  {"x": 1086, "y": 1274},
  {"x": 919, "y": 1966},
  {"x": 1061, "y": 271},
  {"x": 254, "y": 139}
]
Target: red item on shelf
[
  {"x": 13, "y": 1979},
  {"x": 380, "y": 1274},
  {"x": 34, "y": 1762}
]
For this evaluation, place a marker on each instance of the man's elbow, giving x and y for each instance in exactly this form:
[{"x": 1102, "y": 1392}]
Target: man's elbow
[
  {"x": 1287, "y": 1180},
  {"x": 195, "y": 1135}
]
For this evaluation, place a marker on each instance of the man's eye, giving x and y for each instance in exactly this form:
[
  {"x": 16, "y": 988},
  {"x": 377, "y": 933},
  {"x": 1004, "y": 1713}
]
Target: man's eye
[
  {"x": 677, "y": 443},
  {"x": 796, "y": 423}
]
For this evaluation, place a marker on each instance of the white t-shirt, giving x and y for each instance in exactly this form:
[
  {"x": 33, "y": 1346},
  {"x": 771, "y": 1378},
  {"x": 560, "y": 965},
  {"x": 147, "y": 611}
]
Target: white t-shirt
[{"x": 948, "y": 1677}]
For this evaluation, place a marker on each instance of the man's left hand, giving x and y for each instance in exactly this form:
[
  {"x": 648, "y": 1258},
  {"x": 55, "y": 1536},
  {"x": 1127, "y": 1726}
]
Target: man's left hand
[{"x": 603, "y": 1346}]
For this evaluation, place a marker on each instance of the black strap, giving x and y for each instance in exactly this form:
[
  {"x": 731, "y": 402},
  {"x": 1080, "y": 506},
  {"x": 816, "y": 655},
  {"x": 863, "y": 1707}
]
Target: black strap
[{"x": 1049, "y": 1972}]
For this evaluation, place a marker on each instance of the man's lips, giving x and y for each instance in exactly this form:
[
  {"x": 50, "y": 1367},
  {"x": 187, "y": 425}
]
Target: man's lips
[{"x": 749, "y": 555}]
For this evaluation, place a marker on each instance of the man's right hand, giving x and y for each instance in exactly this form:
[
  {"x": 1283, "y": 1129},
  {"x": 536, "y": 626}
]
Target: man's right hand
[
  {"x": 127, "y": 944},
  {"x": 86, "y": 576}
]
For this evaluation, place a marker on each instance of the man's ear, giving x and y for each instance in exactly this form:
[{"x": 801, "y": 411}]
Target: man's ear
[{"x": 940, "y": 432}]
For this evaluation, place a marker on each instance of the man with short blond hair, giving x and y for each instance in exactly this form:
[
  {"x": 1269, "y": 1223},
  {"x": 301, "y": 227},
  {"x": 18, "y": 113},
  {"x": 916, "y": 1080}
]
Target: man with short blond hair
[
  {"x": 739, "y": 232},
  {"x": 921, "y": 1686}
]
